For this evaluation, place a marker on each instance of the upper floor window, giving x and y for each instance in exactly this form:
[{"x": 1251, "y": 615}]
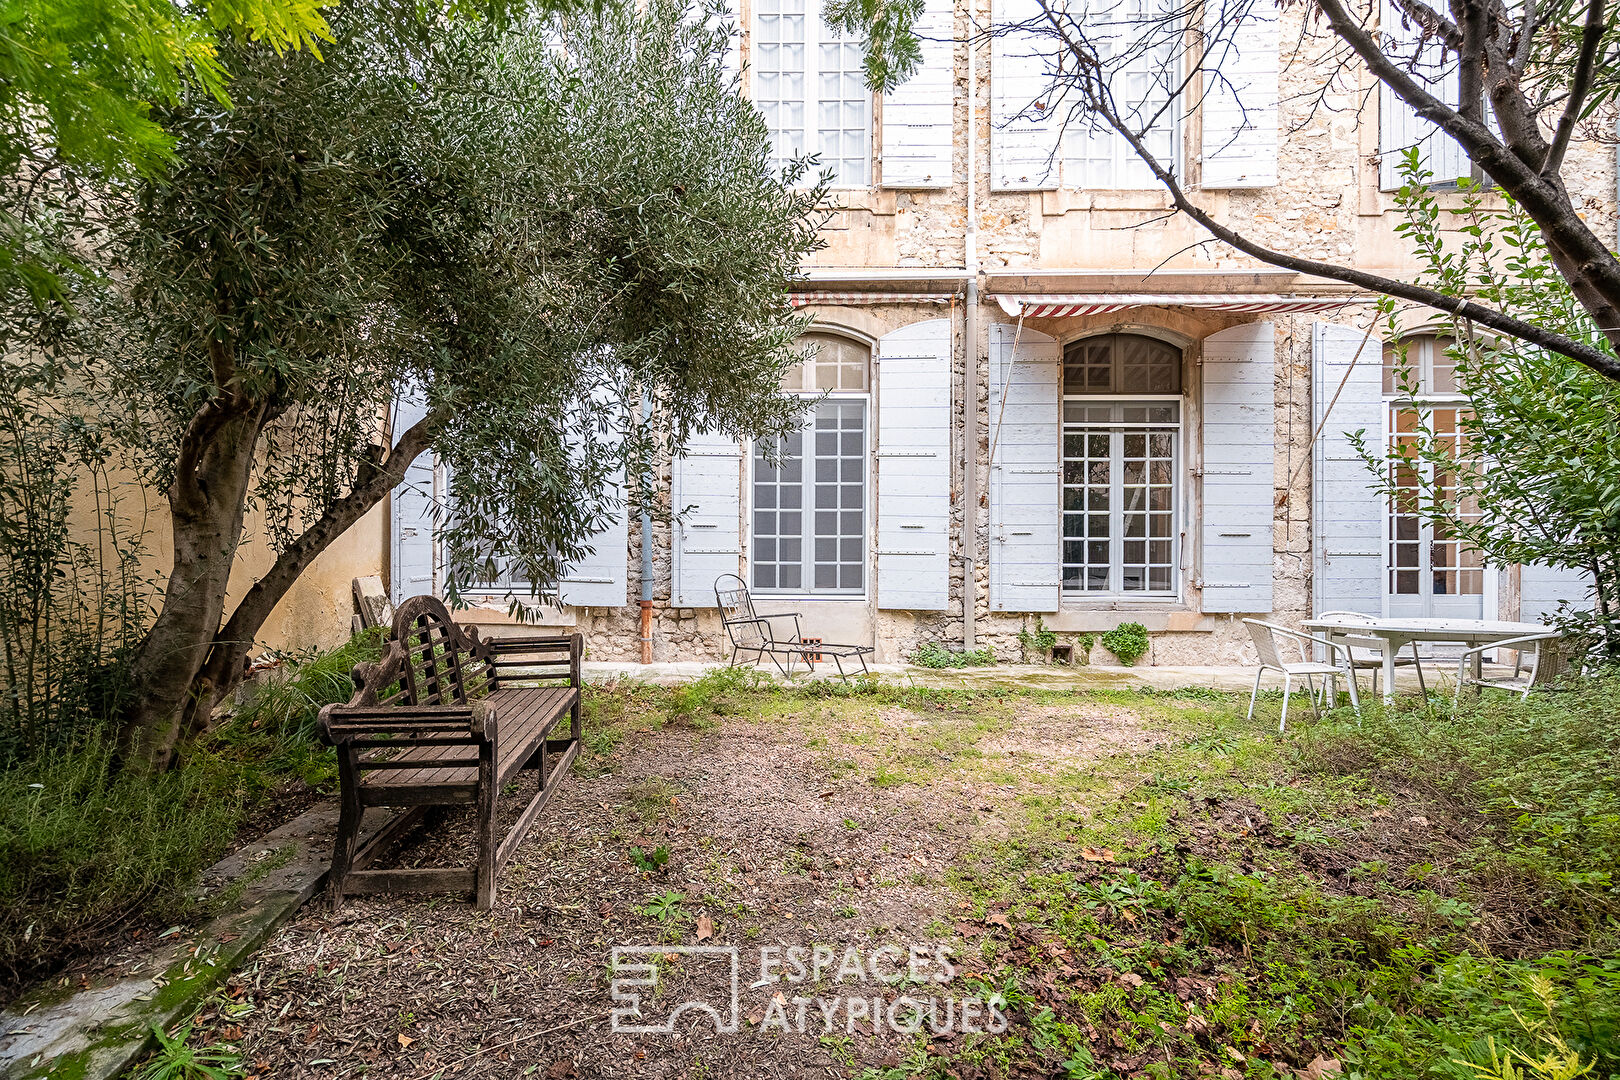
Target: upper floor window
[
  {"x": 810, "y": 85},
  {"x": 809, "y": 504},
  {"x": 1136, "y": 42}
]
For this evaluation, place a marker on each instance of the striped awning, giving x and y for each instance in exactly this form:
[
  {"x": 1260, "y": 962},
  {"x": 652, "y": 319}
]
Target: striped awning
[
  {"x": 803, "y": 299},
  {"x": 1051, "y": 306}
]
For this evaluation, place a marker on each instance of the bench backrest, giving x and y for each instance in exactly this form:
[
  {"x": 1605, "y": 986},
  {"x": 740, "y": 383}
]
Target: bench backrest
[{"x": 440, "y": 662}]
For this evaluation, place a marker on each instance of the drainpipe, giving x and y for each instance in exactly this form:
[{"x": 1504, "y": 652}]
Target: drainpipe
[
  {"x": 646, "y": 555},
  {"x": 970, "y": 353}
]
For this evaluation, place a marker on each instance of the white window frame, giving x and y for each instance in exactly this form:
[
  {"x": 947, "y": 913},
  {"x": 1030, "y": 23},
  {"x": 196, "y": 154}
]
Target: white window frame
[
  {"x": 809, "y": 591},
  {"x": 1426, "y": 401},
  {"x": 816, "y": 34},
  {"x": 1116, "y": 595}
]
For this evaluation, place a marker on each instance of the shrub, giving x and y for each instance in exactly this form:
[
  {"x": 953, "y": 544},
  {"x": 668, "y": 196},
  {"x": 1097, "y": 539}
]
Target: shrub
[
  {"x": 1037, "y": 642},
  {"x": 83, "y": 846},
  {"x": 1128, "y": 641}
]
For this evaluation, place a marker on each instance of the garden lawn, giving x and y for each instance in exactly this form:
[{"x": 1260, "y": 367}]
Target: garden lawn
[{"x": 1153, "y": 885}]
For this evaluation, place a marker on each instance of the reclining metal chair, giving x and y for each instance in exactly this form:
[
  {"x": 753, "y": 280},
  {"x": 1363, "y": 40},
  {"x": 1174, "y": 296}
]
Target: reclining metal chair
[{"x": 756, "y": 634}]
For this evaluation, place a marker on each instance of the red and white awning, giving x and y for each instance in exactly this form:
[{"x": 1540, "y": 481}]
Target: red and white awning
[
  {"x": 1050, "y": 306},
  {"x": 804, "y": 299}
]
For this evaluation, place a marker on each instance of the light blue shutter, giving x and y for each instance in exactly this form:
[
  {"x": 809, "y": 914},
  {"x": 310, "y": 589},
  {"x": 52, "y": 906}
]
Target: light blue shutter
[
  {"x": 917, "y": 129},
  {"x": 1025, "y": 470},
  {"x": 1398, "y": 126},
  {"x": 706, "y": 538},
  {"x": 602, "y": 578},
  {"x": 1347, "y": 510},
  {"x": 1239, "y": 480},
  {"x": 914, "y": 467},
  {"x": 1024, "y": 125},
  {"x": 414, "y": 503},
  {"x": 1543, "y": 588},
  {"x": 1239, "y": 106}
]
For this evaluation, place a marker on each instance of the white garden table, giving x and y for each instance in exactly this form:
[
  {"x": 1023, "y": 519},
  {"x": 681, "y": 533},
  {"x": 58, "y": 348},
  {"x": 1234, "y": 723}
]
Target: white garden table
[{"x": 1395, "y": 634}]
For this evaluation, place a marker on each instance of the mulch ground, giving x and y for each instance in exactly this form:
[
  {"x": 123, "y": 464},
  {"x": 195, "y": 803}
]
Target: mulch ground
[{"x": 766, "y": 848}]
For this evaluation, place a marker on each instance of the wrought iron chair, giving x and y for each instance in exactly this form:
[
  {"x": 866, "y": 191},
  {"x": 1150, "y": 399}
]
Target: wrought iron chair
[{"x": 752, "y": 633}]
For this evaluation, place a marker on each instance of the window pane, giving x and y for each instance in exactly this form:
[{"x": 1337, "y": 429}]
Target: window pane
[
  {"x": 1123, "y": 364},
  {"x": 1123, "y": 477}
]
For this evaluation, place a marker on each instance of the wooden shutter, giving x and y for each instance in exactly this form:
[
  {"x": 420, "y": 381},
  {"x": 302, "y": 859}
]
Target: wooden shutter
[
  {"x": 1024, "y": 125},
  {"x": 1238, "y": 468},
  {"x": 1026, "y": 401},
  {"x": 413, "y": 504},
  {"x": 602, "y": 578},
  {"x": 1542, "y": 589},
  {"x": 1239, "y": 106},
  {"x": 914, "y": 467},
  {"x": 1347, "y": 510},
  {"x": 706, "y": 538},
  {"x": 1398, "y": 126},
  {"x": 917, "y": 123}
]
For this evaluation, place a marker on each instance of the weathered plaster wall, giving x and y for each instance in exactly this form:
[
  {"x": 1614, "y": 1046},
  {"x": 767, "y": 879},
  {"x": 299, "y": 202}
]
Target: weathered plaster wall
[{"x": 316, "y": 612}]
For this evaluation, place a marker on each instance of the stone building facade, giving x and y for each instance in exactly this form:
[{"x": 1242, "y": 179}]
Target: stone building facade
[{"x": 1047, "y": 397}]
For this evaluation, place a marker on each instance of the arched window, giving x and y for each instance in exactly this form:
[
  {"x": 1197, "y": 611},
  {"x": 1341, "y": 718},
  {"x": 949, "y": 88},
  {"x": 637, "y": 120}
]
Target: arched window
[
  {"x": 809, "y": 513},
  {"x": 1429, "y": 572},
  {"x": 1121, "y": 364},
  {"x": 1122, "y": 461}
]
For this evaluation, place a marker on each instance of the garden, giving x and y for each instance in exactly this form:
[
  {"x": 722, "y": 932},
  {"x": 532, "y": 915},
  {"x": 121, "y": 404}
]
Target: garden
[{"x": 1143, "y": 883}]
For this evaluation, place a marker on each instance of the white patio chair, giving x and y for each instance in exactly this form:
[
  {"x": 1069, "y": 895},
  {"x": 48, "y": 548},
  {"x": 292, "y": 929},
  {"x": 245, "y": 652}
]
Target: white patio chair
[
  {"x": 1265, "y": 637},
  {"x": 1367, "y": 654},
  {"x": 1520, "y": 682}
]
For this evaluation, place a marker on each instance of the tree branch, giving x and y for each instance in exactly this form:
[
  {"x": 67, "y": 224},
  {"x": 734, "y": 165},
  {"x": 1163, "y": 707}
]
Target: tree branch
[
  {"x": 1580, "y": 85},
  {"x": 1600, "y": 362},
  {"x": 257, "y": 603}
]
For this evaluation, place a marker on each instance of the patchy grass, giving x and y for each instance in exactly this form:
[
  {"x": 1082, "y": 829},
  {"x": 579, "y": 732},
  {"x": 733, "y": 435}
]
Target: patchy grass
[{"x": 1409, "y": 896}]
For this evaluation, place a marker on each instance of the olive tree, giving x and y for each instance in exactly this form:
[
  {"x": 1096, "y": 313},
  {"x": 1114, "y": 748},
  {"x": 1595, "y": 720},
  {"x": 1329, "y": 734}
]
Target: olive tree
[{"x": 524, "y": 229}]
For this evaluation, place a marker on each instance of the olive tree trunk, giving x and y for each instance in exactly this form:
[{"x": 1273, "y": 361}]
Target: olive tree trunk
[{"x": 194, "y": 655}]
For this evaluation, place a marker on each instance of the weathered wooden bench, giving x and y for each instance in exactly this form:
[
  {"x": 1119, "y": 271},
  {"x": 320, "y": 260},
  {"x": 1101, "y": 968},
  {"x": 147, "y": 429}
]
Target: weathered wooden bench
[{"x": 448, "y": 718}]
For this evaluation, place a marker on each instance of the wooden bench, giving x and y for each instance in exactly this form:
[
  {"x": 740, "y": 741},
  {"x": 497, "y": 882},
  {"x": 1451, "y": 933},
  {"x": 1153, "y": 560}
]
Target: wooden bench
[{"x": 448, "y": 718}]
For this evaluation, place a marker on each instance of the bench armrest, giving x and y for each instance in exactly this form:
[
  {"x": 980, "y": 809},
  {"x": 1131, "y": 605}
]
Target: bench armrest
[{"x": 339, "y": 723}]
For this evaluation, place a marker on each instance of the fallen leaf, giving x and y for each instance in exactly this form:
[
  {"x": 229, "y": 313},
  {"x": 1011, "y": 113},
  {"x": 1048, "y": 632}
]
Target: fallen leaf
[
  {"x": 561, "y": 1070},
  {"x": 827, "y": 794},
  {"x": 1130, "y": 978},
  {"x": 1097, "y": 854},
  {"x": 705, "y": 928},
  {"x": 999, "y": 918},
  {"x": 404, "y": 1040},
  {"x": 1319, "y": 1067}
]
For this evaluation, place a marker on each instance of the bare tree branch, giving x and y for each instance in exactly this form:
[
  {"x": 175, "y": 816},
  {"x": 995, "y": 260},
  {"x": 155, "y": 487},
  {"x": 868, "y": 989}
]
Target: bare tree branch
[{"x": 1100, "y": 101}]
